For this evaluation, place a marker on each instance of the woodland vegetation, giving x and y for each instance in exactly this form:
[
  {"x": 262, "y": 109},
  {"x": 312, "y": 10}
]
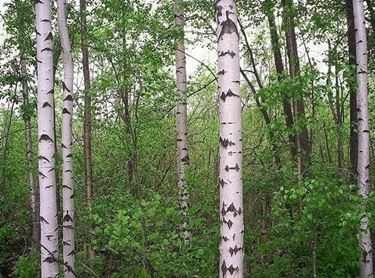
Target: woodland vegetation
[{"x": 187, "y": 138}]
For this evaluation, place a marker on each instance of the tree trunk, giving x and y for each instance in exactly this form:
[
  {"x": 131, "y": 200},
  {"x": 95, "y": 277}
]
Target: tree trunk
[
  {"x": 34, "y": 206},
  {"x": 230, "y": 172},
  {"x": 46, "y": 144},
  {"x": 181, "y": 121},
  {"x": 280, "y": 73},
  {"x": 302, "y": 139},
  {"x": 352, "y": 87},
  {"x": 67, "y": 152},
  {"x": 363, "y": 134},
  {"x": 86, "y": 118}
]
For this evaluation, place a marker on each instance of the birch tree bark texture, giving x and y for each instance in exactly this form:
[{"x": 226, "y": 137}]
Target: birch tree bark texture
[
  {"x": 181, "y": 122},
  {"x": 363, "y": 164},
  {"x": 46, "y": 144},
  {"x": 230, "y": 169},
  {"x": 66, "y": 143}
]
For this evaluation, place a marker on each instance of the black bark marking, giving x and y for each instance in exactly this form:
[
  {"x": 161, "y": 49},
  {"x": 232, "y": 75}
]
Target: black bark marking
[
  {"x": 49, "y": 260},
  {"x": 185, "y": 159},
  {"x": 51, "y": 92},
  {"x": 42, "y": 175},
  {"x": 231, "y": 269},
  {"x": 65, "y": 186},
  {"x": 46, "y": 49},
  {"x": 66, "y": 243},
  {"x": 223, "y": 268},
  {"x": 43, "y": 220},
  {"x": 68, "y": 98},
  {"x": 45, "y": 137},
  {"x": 52, "y": 169},
  {"x": 70, "y": 227},
  {"x": 71, "y": 253},
  {"x": 225, "y": 142},
  {"x": 67, "y": 218},
  {"x": 65, "y": 111},
  {"x": 227, "y": 168},
  {"x": 46, "y": 104},
  {"x": 224, "y": 95},
  {"x": 234, "y": 250},
  {"x": 230, "y": 224},
  {"x": 38, "y": 2},
  {"x": 224, "y": 238},
  {"x": 228, "y": 52},
  {"x": 222, "y": 182},
  {"x": 43, "y": 158},
  {"x": 228, "y": 26},
  {"x": 50, "y": 35},
  {"x": 222, "y": 72},
  {"x": 49, "y": 186},
  {"x": 64, "y": 87},
  {"x": 69, "y": 155}
]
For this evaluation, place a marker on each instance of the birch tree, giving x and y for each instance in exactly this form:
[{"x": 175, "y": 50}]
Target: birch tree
[
  {"x": 181, "y": 120},
  {"x": 230, "y": 169},
  {"x": 363, "y": 164},
  {"x": 67, "y": 114},
  {"x": 46, "y": 144}
]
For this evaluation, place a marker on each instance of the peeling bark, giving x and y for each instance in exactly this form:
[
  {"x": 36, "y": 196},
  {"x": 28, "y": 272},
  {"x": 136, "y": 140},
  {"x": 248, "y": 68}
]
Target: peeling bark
[
  {"x": 230, "y": 169},
  {"x": 46, "y": 144},
  {"x": 67, "y": 143}
]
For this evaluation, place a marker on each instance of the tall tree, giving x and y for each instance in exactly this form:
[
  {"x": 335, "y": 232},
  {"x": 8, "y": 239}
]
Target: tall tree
[
  {"x": 302, "y": 139},
  {"x": 230, "y": 169},
  {"x": 353, "y": 147},
  {"x": 46, "y": 144},
  {"x": 181, "y": 119},
  {"x": 67, "y": 114},
  {"x": 87, "y": 115},
  {"x": 363, "y": 133},
  {"x": 279, "y": 65}
]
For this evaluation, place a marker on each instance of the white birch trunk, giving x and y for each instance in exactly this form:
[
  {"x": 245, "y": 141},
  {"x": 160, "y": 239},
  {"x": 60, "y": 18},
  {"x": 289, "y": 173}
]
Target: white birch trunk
[
  {"x": 181, "y": 121},
  {"x": 46, "y": 144},
  {"x": 363, "y": 135},
  {"x": 67, "y": 114},
  {"x": 230, "y": 176}
]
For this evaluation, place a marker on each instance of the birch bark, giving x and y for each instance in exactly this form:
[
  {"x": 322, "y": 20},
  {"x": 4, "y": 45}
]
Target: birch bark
[
  {"x": 230, "y": 169},
  {"x": 67, "y": 114},
  {"x": 46, "y": 144},
  {"x": 181, "y": 121},
  {"x": 363, "y": 134}
]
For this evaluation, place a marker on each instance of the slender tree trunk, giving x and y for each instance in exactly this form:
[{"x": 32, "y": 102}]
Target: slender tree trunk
[
  {"x": 363, "y": 134},
  {"x": 29, "y": 150},
  {"x": 86, "y": 117},
  {"x": 352, "y": 87},
  {"x": 67, "y": 152},
  {"x": 230, "y": 172},
  {"x": 181, "y": 121},
  {"x": 302, "y": 139},
  {"x": 46, "y": 144},
  {"x": 280, "y": 73}
]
